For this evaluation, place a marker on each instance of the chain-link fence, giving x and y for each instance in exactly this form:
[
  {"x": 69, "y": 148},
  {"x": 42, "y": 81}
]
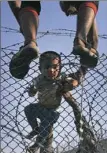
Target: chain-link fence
[{"x": 91, "y": 99}]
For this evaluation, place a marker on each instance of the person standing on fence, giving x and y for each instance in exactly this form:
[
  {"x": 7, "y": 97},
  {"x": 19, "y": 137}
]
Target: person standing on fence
[
  {"x": 27, "y": 14},
  {"x": 51, "y": 86},
  {"x": 86, "y": 39}
]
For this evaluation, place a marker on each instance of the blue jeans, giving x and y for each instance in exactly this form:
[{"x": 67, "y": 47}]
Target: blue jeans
[{"x": 47, "y": 117}]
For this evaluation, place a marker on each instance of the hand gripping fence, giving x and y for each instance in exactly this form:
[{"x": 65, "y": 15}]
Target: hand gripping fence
[{"x": 83, "y": 121}]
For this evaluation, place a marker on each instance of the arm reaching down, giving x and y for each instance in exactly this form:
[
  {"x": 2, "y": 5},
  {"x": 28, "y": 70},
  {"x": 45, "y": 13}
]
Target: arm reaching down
[{"x": 72, "y": 80}]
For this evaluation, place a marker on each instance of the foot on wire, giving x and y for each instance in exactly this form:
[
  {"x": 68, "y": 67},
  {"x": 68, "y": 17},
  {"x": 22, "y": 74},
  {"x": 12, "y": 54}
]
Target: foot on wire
[
  {"x": 47, "y": 150},
  {"x": 34, "y": 148},
  {"x": 88, "y": 56},
  {"x": 19, "y": 64},
  {"x": 32, "y": 134},
  {"x": 91, "y": 59}
]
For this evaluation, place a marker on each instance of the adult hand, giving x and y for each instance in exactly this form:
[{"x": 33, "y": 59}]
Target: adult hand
[{"x": 68, "y": 8}]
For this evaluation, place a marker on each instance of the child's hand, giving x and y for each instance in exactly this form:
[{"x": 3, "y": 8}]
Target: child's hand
[
  {"x": 32, "y": 91},
  {"x": 69, "y": 84}
]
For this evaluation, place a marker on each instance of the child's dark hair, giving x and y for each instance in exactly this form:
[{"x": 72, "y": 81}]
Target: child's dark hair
[{"x": 48, "y": 55}]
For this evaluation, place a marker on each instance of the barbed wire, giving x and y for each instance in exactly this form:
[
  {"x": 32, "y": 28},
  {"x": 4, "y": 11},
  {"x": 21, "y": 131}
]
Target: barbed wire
[
  {"x": 90, "y": 104},
  {"x": 13, "y": 45},
  {"x": 49, "y": 32}
]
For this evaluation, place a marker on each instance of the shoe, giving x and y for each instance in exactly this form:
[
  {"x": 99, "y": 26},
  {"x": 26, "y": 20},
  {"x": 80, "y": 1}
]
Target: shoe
[
  {"x": 91, "y": 59},
  {"x": 80, "y": 50},
  {"x": 46, "y": 150},
  {"x": 88, "y": 56},
  {"x": 32, "y": 134},
  {"x": 34, "y": 148},
  {"x": 19, "y": 65}
]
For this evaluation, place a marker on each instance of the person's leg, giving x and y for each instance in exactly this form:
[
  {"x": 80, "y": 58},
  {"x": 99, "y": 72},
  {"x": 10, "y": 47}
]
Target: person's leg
[
  {"x": 31, "y": 114},
  {"x": 48, "y": 148},
  {"x": 85, "y": 18},
  {"x": 28, "y": 19},
  {"x": 92, "y": 37},
  {"x": 15, "y": 7},
  {"x": 48, "y": 117},
  {"x": 92, "y": 44},
  {"x": 42, "y": 136},
  {"x": 44, "y": 143}
]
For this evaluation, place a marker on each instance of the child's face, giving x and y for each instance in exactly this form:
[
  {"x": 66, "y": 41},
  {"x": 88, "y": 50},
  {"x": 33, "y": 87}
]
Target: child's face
[{"x": 51, "y": 68}]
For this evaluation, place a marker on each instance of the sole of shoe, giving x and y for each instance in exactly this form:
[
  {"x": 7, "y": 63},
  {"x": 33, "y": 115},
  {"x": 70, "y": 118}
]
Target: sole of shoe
[
  {"x": 88, "y": 61},
  {"x": 19, "y": 65},
  {"x": 30, "y": 136},
  {"x": 86, "y": 58}
]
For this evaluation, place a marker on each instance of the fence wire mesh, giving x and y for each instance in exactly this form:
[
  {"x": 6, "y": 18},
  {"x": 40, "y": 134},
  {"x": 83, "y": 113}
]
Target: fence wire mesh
[
  {"x": 91, "y": 100},
  {"x": 66, "y": 139}
]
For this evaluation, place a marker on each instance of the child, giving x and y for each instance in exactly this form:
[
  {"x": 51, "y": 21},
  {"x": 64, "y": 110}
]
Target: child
[{"x": 51, "y": 85}]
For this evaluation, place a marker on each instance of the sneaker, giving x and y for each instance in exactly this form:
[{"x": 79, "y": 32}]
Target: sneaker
[
  {"x": 19, "y": 65},
  {"x": 47, "y": 150},
  {"x": 32, "y": 134},
  {"x": 35, "y": 147}
]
